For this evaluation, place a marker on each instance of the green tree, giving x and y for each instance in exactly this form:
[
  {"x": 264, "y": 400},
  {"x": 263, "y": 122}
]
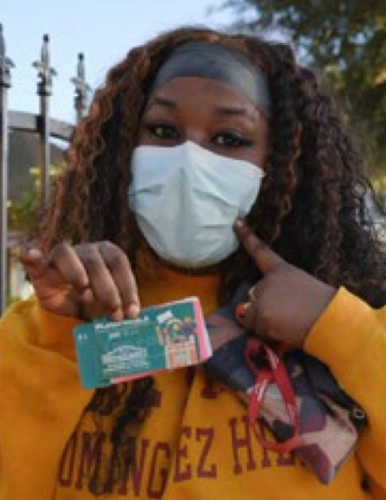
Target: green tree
[{"x": 346, "y": 39}]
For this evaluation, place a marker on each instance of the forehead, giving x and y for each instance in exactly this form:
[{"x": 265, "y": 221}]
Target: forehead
[
  {"x": 220, "y": 63},
  {"x": 189, "y": 89}
]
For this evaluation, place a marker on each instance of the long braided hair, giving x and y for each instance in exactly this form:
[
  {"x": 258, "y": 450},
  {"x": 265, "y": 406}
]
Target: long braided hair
[{"x": 312, "y": 207}]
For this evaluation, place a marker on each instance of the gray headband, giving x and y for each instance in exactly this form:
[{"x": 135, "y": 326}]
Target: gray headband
[{"x": 215, "y": 61}]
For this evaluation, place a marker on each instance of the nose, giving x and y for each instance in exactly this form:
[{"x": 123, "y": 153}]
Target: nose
[{"x": 197, "y": 136}]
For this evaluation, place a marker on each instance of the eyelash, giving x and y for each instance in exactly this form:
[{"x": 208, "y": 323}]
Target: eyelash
[
  {"x": 231, "y": 138},
  {"x": 235, "y": 140},
  {"x": 152, "y": 128}
]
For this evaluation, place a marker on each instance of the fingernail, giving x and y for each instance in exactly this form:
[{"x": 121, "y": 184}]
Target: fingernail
[
  {"x": 133, "y": 311},
  {"x": 33, "y": 253},
  {"x": 117, "y": 315},
  {"x": 239, "y": 223}
]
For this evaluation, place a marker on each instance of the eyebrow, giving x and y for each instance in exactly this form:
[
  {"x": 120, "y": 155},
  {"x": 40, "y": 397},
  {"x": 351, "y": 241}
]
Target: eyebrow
[
  {"x": 161, "y": 101},
  {"x": 219, "y": 110},
  {"x": 233, "y": 111}
]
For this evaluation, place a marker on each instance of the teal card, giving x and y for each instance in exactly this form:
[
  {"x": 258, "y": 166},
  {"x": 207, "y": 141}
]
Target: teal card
[{"x": 162, "y": 337}]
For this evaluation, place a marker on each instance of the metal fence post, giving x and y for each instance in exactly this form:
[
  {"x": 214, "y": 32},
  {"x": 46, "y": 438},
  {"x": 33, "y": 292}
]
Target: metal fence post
[
  {"x": 5, "y": 82},
  {"x": 45, "y": 73},
  {"x": 42, "y": 124},
  {"x": 82, "y": 89}
]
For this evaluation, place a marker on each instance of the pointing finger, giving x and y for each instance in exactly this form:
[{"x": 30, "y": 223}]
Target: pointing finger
[{"x": 265, "y": 258}]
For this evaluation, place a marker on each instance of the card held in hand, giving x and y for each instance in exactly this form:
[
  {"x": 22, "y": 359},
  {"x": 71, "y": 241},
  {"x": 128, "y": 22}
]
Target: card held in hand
[{"x": 163, "y": 337}]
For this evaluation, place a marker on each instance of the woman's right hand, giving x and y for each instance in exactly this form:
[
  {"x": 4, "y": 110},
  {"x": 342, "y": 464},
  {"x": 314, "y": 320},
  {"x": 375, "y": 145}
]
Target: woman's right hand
[{"x": 83, "y": 281}]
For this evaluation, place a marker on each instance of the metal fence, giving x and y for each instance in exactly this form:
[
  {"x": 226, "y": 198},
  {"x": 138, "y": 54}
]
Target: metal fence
[{"x": 42, "y": 124}]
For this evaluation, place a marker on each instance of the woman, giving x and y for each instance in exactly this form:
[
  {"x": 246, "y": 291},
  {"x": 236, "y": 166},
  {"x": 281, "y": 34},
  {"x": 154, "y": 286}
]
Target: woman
[{"x": 189, "y": 133}]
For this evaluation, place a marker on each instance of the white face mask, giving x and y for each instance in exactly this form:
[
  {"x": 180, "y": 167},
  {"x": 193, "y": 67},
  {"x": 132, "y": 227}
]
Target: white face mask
[{"x": 186, "y": 200}]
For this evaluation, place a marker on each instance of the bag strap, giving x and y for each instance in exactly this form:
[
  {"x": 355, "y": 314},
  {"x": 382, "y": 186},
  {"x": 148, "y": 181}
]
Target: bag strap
[{"x": 274, "y": 371}]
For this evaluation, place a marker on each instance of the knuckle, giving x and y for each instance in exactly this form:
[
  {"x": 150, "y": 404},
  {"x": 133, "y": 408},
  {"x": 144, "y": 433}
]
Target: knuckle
[
  {"x": 90, "y": 260},
  {"x": 84, "y": 249},
  {"x": 60, "y": 250},
  {"x": 116, "y": 260},
  {"x": 107, "y": 246},
  {"x": 114, "y": 257}
]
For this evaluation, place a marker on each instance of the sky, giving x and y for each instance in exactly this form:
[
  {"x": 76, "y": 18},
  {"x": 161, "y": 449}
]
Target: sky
[{"x": 104, "y": 30}]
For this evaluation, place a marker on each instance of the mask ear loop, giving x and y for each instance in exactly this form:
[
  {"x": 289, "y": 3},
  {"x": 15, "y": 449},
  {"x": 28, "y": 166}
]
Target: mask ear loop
[{"x": 274, "y": 371}]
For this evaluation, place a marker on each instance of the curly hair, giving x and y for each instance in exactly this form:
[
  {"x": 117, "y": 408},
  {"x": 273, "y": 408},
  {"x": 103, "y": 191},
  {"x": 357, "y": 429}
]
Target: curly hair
[{"x": 312, "y": 208}]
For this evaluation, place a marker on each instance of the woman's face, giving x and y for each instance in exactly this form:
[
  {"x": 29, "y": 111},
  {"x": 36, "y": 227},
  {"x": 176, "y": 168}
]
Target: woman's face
[{"x": 212, "y": 114}]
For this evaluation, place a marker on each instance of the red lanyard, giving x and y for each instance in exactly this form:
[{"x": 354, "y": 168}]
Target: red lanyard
[{"x": 274, "y": 372}]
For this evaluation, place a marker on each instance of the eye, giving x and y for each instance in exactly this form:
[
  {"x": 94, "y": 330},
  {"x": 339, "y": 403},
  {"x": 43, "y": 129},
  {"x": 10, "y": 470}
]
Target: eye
[
  {"x": 231, "y": 139},
  {"x": 163, "y": 130}
]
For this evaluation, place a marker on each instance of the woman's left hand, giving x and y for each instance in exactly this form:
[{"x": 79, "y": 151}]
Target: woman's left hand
[{"x": 286, "y": 301}]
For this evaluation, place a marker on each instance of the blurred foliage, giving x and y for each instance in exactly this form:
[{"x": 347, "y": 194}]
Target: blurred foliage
[
  {"x": 12, "y": 300},
  {"x": 379, "y": 184},
  {"x": 345, "y": 39},
  {"x": 23, "y": 213}
]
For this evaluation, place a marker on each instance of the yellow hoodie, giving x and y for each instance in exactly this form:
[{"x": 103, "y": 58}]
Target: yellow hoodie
[{"x": 196, "y": 443}]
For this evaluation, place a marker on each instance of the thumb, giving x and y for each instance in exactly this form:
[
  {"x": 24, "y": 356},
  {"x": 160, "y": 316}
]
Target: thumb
[{"x": 265, "y": 259}]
